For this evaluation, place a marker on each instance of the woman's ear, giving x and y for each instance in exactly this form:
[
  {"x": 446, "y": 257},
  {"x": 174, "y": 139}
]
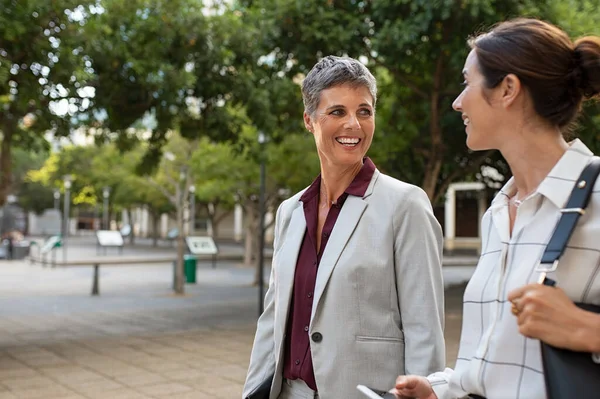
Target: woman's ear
[
  {"x": 511, "y": 89},
  {"x": 308, "y": 122}
]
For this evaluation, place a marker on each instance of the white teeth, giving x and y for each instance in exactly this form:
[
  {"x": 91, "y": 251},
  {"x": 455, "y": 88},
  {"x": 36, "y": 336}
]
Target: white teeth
[
  {"x": 466, "y": 121},
  {"x": 348, "y": 140}
]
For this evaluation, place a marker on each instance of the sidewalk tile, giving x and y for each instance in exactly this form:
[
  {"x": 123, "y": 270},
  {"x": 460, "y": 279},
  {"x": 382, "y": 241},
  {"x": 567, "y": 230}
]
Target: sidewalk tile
[
  {"x": 66, "y": 397},
  {"x": 145, "y": 378},
  {"x": 231, "y": 372},
  {"x": 122, "y": 393},
  {"x": 164, "y": 366},
  {"x": 182, "y": 375},
  {"x": 164, "y": 389},
  {"x": 17, "y": 373},
  {"x": 73, "y": 375},
  {"x": 37, "y": 381},
  {"x": 104, "y": 384},
  {"x": 193, "y": 395},
  {"x": 44, "y": 360},
  {"x": 226, "y": 391},
  {"x": 42, "y": 393}
]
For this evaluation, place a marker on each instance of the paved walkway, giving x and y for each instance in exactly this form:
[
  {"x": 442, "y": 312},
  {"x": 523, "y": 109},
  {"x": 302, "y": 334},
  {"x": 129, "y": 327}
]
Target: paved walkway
[{"x": 137, "y": 340}]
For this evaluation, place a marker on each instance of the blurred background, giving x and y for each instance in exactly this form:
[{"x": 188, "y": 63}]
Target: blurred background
[
  {"x": 132, "y": 100},
  {"x": 162, "y": 120}
]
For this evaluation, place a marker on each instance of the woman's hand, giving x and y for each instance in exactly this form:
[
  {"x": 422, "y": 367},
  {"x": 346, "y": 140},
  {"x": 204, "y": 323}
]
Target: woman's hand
[
  {"x": 548, "y": 314},
  {"x": 413, "y": 386}
]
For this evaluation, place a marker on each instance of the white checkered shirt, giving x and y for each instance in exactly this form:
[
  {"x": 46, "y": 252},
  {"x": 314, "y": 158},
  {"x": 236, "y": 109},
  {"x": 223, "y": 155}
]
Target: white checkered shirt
[{"x": 494, "y": 359}]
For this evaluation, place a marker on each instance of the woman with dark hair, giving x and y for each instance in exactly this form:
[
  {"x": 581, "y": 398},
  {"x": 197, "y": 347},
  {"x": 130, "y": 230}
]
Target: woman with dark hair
[{"x": 525, "y": 82}]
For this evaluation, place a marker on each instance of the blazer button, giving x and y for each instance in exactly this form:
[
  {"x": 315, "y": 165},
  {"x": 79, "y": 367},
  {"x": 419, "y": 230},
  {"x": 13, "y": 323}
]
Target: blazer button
[{"x": 317, "y": 337}]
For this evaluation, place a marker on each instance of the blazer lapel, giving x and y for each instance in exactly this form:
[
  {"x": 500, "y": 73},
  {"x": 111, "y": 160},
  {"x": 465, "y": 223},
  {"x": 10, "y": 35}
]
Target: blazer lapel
[
  {"x": 288, "y": 256},
  {"x": 348, "y": 218}
]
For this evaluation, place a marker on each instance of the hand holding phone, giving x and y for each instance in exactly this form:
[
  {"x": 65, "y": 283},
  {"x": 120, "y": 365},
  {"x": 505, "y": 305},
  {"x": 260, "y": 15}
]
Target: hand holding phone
[{"x": 375, "y": 393}]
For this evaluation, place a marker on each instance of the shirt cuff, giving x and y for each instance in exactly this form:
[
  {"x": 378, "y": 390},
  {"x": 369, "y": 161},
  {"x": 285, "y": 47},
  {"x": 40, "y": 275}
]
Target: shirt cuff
[{"x": 439, "y": 383}]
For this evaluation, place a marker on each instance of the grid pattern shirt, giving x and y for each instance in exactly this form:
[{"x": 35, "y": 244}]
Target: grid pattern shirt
[{"x": 494, "y": 359}]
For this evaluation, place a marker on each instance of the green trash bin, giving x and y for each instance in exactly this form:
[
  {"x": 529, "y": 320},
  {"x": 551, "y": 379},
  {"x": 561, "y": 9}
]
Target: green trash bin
[{"x": 189, "y": 268}]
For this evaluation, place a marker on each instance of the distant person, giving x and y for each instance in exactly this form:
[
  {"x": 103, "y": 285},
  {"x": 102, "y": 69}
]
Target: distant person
[
  {"x": 525, "y": 81},
  {"x": 356, "y": 292}
]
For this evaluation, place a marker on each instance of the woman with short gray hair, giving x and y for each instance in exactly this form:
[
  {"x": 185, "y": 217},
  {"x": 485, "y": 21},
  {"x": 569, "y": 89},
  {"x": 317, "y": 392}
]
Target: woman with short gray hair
[{"x": 356, "y": 293}]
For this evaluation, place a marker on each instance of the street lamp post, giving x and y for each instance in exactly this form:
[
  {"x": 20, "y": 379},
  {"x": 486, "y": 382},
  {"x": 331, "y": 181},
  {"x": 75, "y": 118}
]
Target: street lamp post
[
  {"x": 57, "y": 199},
  {"x": 105, "y": 196},
  {"x": 262, "y": 139},
  {"x": 192, "y": 210},
  {"x": 67, "y": 203}
]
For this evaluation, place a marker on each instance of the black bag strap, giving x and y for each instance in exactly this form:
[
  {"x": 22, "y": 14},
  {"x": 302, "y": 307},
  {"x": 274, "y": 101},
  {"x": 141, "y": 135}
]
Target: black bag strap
[{"x": 578, "y": 201}]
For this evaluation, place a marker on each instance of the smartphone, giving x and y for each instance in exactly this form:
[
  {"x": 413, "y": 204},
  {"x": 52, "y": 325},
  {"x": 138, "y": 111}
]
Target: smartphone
[{"x": 375, "y": 393}]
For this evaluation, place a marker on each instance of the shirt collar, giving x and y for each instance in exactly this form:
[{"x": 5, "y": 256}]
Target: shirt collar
[
  {"x": 558, "y": 184},
  {"x": 358, "y": 187}
]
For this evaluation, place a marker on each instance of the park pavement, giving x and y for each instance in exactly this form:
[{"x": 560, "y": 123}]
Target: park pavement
[{"x": 137, "y": 339}]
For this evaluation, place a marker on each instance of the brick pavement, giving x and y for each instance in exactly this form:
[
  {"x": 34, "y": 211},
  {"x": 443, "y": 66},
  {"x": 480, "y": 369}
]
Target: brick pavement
[
  {"x": 137, "y": 340},
  {"x": 196, "y": 364}
]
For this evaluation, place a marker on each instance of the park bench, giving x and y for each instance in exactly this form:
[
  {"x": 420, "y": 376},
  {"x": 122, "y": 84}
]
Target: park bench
[
  {"x": 97, "y": 262},
  {"x": 125, "y": 261}
]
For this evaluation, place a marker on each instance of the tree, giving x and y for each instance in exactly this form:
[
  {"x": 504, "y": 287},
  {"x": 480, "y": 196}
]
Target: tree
[
  {"x": 213, "y": 167},
  {"x": 40, "y": 74},
  {"x": 170, "y": 64},
  {"x": 578, "y": 18},
  {"x": 167, "y": 65},
  {"x": 417, "y": 49},
  {"x": 31, "y": 196},
  {"x": 223, "y": 170},
  {"x": 94, "y": 167},
  {"x": 75, "y": 161}
]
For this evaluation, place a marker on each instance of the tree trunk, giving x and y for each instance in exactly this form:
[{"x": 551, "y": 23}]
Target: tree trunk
[
  {"x": 5, "y": 161},
  {"x": 155, "y": 219},
  {"x": 213, "y": 225},
  {"x": 436, "y": 155},
  {"x": 131, "y": 224},
  {"x": 179, "y": 272},
  {"x": 215, "y": 230},
  {"x": 217, "y": 221},
  {"x": 249, "y": 252}
]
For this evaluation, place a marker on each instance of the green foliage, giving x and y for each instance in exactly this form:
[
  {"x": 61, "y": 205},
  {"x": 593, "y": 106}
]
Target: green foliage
[
  {"x": 32, "y": 196},
  {"x": 224, "y": 174},
  {"x": 39, "y": 70},
  {"x": 168, "y": 62},
  {"x": 152, "y": 76},
  {"x": 416, "y": 48}
]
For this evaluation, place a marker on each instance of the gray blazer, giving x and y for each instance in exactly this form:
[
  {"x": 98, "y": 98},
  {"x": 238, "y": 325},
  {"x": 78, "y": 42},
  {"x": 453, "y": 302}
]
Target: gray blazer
[{"x": 378, "y": 300}]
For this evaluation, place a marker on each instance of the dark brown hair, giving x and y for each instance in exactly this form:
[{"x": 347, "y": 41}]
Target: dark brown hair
[{"x": 558, "y": 73}]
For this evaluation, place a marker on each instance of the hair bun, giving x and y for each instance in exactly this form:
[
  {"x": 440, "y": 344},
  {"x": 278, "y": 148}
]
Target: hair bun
[{"x": 587, "y": 71}]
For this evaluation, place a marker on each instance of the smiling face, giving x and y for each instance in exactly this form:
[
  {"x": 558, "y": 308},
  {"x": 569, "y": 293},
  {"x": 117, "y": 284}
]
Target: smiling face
[
  {"x": 481, "y": 111},
  {"x": 343, "y": 125}
]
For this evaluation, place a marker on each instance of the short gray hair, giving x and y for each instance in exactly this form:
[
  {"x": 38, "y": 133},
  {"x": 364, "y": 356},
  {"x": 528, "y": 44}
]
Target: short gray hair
[{"x": 333, "y": 71}]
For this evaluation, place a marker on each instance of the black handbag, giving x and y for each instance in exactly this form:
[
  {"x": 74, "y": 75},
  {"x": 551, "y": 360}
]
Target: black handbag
[
  {"x": 262, "y": 391},
  {"x": 569, "y": 374}
]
